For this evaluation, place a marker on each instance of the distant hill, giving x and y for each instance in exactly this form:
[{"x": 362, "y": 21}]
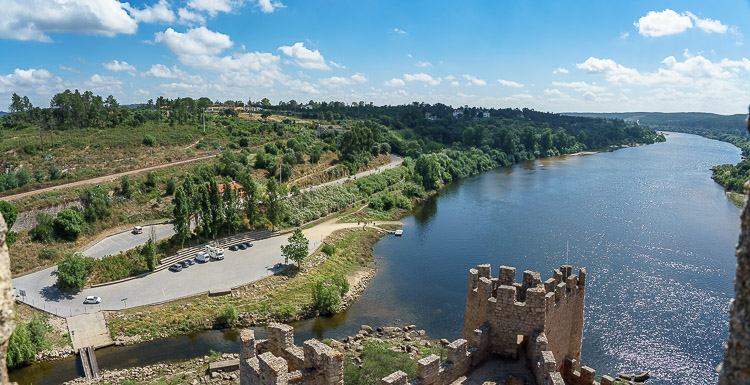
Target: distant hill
[
  {"x": 701, "y": 123},
  {"x": 3, "y": 113}
]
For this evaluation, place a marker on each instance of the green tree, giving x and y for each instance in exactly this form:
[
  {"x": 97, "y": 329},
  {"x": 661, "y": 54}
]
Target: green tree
[
  {"x": 10, "y": 213},
  {"x": 44, "y": 231},
  {"x": 69, "y": 224},
  {"x": 171, "y": 186},
  {"x": 20, "y": 346},
  {"x": 429, "y": 171},
  {"x": 251, "y": 199},
  {"x": 326, "y": 297},
  {"x": 151, "y": 180},
  {"x": 297, "y": 248},
  {"x": 149, "y": 254},
  {"x": 181, "y": 216},
  {"x": 274, "y": 206},
  {"x": 97, "y": 204},
  {"x": 23, "y": 176},
  {"x": 126, "y": 187},
  {"x": 231, "y": 208},
  {"x": 72, "y": 272},
  {"x": 216, "y": 205}
]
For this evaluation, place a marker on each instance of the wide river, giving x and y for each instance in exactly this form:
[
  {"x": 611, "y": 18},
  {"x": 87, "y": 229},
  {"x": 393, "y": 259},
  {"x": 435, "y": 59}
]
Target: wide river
[{"x": 654, "y": 232}]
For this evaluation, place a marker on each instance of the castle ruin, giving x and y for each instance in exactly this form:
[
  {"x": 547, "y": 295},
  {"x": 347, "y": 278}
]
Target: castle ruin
[{"x": 541, "y": 323}]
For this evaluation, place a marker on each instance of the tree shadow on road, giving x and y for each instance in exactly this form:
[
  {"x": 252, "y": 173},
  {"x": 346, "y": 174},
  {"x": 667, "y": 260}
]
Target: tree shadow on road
[{"x": 53, "y": 294}]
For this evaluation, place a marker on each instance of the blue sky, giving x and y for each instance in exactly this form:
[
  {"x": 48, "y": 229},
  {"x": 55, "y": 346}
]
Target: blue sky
[{"x": 599, "y": 56}]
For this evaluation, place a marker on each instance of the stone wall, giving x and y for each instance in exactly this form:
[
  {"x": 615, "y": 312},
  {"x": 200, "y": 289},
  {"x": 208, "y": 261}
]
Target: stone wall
[
  {"x": 518, "y": 312},
  {"x": 277, "y": 361},
  {"x": 736, "y": 365},
  {"x": 6, "y": 302}
]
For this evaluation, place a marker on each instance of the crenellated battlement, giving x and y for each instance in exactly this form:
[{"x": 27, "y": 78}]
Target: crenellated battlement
[
  {"x": 517, "y": 311},
  {"x": 277, "y": 361}
]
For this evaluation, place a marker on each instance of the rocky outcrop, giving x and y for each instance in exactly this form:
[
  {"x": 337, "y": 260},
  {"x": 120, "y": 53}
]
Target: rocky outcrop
[
  {"x": 736, "y": 366},
  {"x": 6, "y": 302}
]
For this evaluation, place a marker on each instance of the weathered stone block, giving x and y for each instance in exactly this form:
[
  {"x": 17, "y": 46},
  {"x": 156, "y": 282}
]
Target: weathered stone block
[{"x": 397, "y": 378}]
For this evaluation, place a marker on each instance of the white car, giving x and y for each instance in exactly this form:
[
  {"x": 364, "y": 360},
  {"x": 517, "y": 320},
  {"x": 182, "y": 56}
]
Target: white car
[{"x": 92, "y": 300}]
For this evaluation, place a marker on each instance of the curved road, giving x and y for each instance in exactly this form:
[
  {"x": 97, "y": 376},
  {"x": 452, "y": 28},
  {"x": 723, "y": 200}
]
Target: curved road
[{"x": 238, "y": 268}]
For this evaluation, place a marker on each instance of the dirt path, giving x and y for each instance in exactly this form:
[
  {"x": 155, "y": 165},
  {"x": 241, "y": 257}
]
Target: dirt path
[
  {"x": 102, "y": 179},
  {"x": 321, "y": 231}
]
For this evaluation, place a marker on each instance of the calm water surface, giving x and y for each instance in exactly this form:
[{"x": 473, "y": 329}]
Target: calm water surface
[{"x": 655, "y": 233}]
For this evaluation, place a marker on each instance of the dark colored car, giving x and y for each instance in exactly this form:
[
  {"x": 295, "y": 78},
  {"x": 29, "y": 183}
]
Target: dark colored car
[
  {"x": 242, "y": 246},
  {"x": 176, "y": 267},
  {"x": 184, "y": 264},
  {"x": 190, "y": 261},
  {"x": 249, "y": 244},
  {"x": 233, "y": 248}
]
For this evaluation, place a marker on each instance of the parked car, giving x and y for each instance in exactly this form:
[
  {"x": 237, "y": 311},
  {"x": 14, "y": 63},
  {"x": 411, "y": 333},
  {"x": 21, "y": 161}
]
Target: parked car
[
  {"x": 233, "y": 248},
  {"x": 92, "y": 300},
  {"x": 176, "y": 267},
  {"x": 138, "y": 230},
  {"x": 249, "y": 244},
  {"x": 277, "y": 266},
  {"x": 190, "y": 261},
  {"x": 184, "y": 264},
  {"x": 242, "y": 246}
]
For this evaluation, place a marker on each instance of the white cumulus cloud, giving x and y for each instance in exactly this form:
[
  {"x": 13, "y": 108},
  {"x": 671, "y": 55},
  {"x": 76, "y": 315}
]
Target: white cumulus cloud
[
  {"x": 117, "y": 66},
  {"x": 559, "y": 70},
  {"x": 336, "y": 81},
  {"x": 212, "y": 7},
  {"x": 34, "y": 19},
  {"x": 473, "y": 80},
  {"x": 304, "y": 57},
  {"x": 196, "y": 41},
  {"x": 190, "y": 18},
  {"x": 159, "y": 12},
  {"x": 422, "y": 77},
  {"x": 395, "y": 82},
  {"x": 509, "y": 83},
  {"x": 669, "y": 22},
  {"x": 268, "y": 6},
  {"x": 400, "y": 32}
]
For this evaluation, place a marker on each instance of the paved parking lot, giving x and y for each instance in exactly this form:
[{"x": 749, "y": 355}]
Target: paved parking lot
[{"x": 238, "y": 268}]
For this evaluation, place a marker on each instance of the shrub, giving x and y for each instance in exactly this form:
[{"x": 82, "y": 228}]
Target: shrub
[
  {"x": 23, "y": 176},
  {"x": 171, "y": 186},
  {"x": 44, "y": 230},
  {"x": 149, "y": 254},
  {"x": 228, "y": 314},
  {"x": 10, "y": 213},
  {"x": 412, "y": 190},
  {"x": 68, "y": 224},
  {"x": 377, "y": 362},
  {"x": 326, "y": 297},
  {"x": 48, "y": 253},
  {"x": 73, "y": 271},
  {"x": 126, "y": 187},
  {"x": 54, "y": 172},
  {"x": 286, "y": 171},
  {"x": 329, "y": 249},
  {"x": 20, "y": 346},
  {"x": 339, "y": 280},
  {"x": 98, "y": 204},
  {"x": 149, "y": 140},
  {"x": 244, "y": 142},
  {"x": 383, "y": 201},
  {"x": 317, "y": 203},
  {"x": 151, "y": 179},
  {"x": 402, "y": 202},
  {"x": 10, "y": 238}
]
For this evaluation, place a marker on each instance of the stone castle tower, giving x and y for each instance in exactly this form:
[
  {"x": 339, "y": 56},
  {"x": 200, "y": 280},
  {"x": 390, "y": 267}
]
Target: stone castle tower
[{"x": 516, "y": 313}]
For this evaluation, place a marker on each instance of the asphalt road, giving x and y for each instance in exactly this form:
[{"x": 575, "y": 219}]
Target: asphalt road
[
  {"x": 116, "y": 243},
  {"x": 238, "y": 268}
]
